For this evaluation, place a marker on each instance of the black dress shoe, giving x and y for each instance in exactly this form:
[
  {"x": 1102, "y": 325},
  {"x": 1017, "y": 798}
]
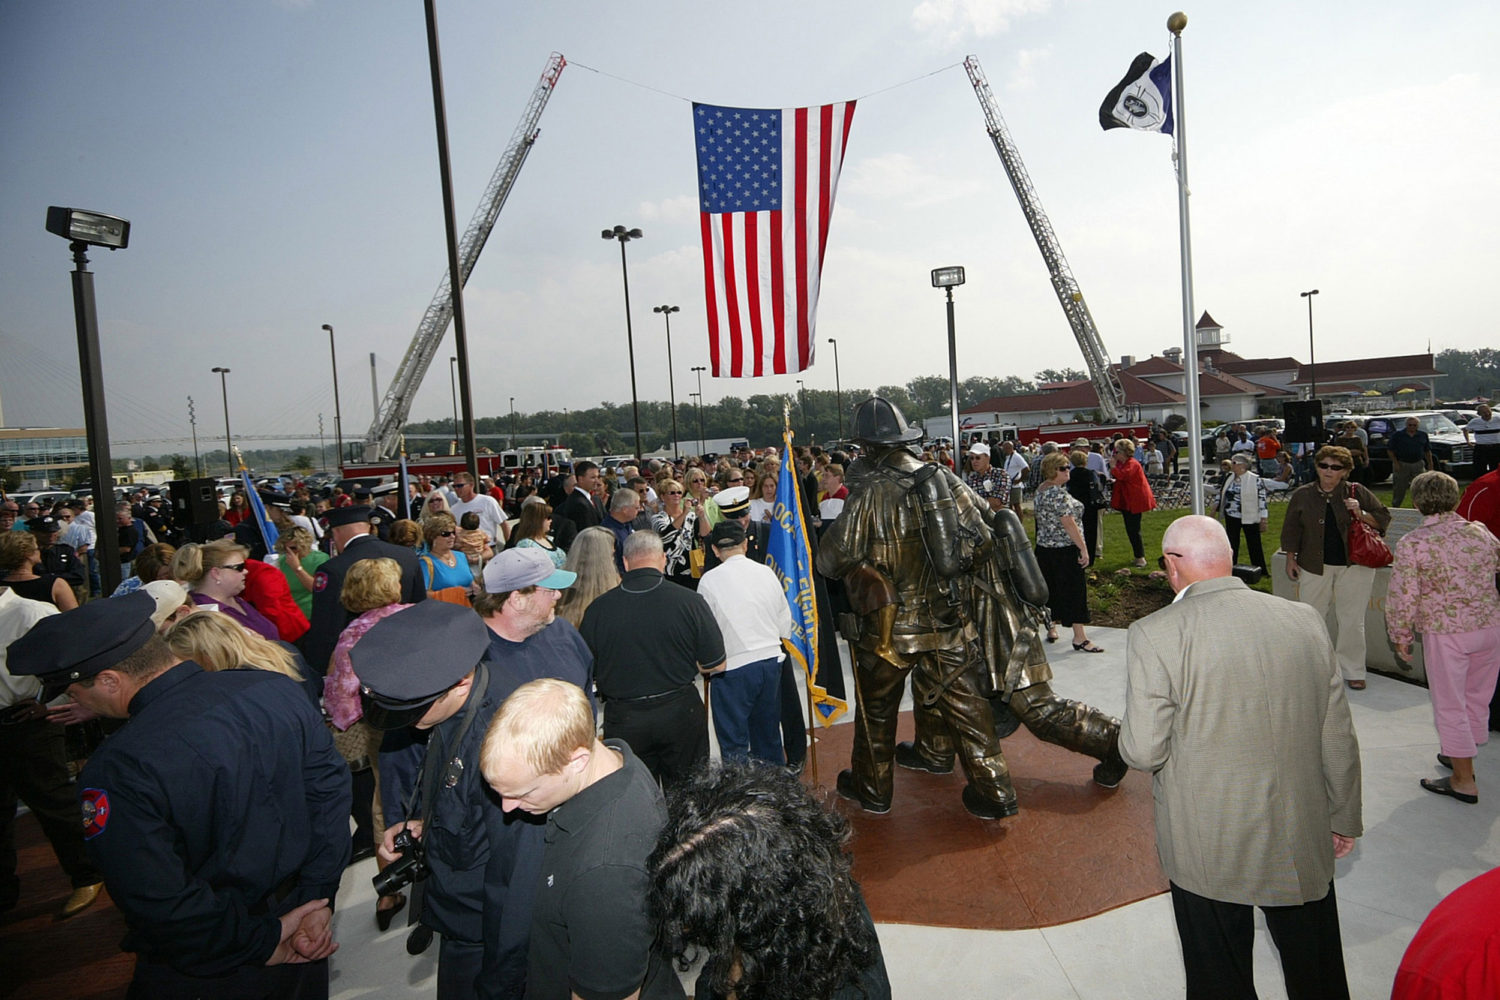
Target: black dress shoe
[
  {"x": 419, "y": 939},
  {"x": 845, "y": 787},
  {"x": 909, "y": 757},
  {"x": 383, "y": 918},
  {"x": 985, "y": 808}
]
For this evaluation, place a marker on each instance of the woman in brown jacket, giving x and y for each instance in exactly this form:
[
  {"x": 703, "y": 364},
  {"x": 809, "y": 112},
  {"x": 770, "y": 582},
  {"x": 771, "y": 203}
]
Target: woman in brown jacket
[{"x": 1317, "y": 555}]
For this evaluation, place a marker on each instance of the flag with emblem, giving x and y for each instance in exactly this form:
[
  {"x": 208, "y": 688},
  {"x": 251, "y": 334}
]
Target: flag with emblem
[
  {"x": 263, "y": 521},
  {"x": 766, "y": 182},
  {"x": 1143, "y": 100},
  {"x": 789, "y": 555}
]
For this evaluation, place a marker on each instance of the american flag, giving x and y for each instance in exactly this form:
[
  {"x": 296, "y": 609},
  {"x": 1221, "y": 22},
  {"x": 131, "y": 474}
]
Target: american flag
[{"x": 766, "y": 181}]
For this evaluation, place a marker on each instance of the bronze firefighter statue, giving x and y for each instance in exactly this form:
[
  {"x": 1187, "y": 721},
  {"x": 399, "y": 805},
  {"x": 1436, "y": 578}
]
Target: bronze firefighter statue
[{"x": 950, "y": 593}]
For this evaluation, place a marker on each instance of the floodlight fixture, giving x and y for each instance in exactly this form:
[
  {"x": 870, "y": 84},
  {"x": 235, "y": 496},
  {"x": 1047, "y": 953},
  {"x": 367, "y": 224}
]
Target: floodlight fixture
[
  {"x": 947, "y": 277},
  {"x": 93, "y": 229}
]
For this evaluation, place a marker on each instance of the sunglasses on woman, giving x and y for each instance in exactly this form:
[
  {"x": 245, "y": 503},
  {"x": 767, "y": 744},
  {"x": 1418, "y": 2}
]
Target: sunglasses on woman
[
  {"x": 236, "y": 567},
  {"x": 1330, "y": 468}
]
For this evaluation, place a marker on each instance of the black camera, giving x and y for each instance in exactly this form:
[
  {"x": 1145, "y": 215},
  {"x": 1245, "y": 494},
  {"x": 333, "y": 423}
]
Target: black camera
[{"x": 412, "y": 866}]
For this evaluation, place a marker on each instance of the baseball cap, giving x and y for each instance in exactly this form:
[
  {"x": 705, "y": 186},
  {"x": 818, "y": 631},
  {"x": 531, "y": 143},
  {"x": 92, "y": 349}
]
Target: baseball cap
[
  {"x": 979, "y": 448},
  {"x": 515, "y": 569}
]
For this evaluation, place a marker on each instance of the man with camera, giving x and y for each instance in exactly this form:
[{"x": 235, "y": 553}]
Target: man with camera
[{"x": 431, "y": 666}]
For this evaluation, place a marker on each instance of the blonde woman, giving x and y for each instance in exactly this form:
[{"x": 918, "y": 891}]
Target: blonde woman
[
  {"x": 20, "y": 559},
  {"x": 592, "y": 557},
  {"x": 216, "y": 574},
  {"x": 215, "y": 641},
  {"x": 445, "y": 570}
]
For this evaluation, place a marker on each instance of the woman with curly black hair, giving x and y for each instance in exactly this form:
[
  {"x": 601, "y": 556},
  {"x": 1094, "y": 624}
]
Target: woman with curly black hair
[{"x": 753, "y": 871}]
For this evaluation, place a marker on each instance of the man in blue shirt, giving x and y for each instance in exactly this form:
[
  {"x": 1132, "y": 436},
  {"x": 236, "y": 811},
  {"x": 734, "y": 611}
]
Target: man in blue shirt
[{"x": 1411, "y": 455}]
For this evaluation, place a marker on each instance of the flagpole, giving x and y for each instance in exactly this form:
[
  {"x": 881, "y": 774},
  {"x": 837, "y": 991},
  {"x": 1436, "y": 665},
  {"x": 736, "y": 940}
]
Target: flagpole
[{"x": 1175, "y": 24}]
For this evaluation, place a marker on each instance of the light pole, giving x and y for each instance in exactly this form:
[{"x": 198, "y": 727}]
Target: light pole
[
  {"x": 228, "y": 443},
  {"x": 193, "y": 423},
  {"x": 802, "y": 405},
  {"x": 322, "y": 446},
  {"x": 453, "y": 387},
  {"x": 338, "y": 420},
  {"x": 838, "y": 390},
  {"x": 625, "y": 236},
  {"x": 512, "y": 423},
  {"x": 83, "y": 229},
  {"x": 699, "y": 370},
  {"x": 947, "y": 278},
  {"x": 666, "y": 314},
  {"x": 1312, "y": 364}
]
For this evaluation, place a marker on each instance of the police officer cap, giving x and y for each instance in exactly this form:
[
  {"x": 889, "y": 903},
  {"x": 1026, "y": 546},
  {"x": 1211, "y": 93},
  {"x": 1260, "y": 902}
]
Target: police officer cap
[
  {"x": 356, "y": 514},
  {"x": 76, "y": 645},
  {"x": 409, "y": 659},
  {"x": 733, "y": 502},
  {"x": 382, "y": 490},
  {"x": 727, "y": 534},
  {"x": 360, "y": 492},
  {"x": 43, "y": 525}
]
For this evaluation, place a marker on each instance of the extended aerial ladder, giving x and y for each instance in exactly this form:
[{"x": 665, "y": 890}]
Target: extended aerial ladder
[
  {"x": 385, "y": 430},
  {"x": 1106, "y": 382}
]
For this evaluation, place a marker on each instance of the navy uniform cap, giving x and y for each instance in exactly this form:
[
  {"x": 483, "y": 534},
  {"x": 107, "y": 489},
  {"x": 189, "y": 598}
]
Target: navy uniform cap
[
  {"x": 410, "y": 658},
  {"x": 43, "y": 525},
  {"x": 76, "y": 645},
  {"x": 349, "y": 515}
]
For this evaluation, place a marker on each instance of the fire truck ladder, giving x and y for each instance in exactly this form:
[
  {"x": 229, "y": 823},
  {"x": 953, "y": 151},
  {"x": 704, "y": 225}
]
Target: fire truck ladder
[
  {"x": 395, "y": 407},
  {"x": 1106, "y": 382}
]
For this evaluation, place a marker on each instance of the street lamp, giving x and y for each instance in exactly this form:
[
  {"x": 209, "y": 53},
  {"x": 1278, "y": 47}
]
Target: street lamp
[
  {"x": 338, "y": 420},
  {"x": 83, "y": 229},
  {"x": 699, "y": 370},
  {"x": 193, "y": 423},
  {"x": 697, "y": 398},
  {"x": 513, "y": 423},
  {"x": 1312, "y": 365},
  {"x": 666, "y": 315},
  {"x": 947, "y": 278},
  {"x": 625, "y": 236},
  {"x": 453, "y": 387},
  {"x": 838, "y": 391},
  {"x": 228, "y": 443}
]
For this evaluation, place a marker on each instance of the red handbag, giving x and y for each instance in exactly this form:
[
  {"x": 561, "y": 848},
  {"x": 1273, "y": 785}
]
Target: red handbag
[{"x": 1366, "y": 547}]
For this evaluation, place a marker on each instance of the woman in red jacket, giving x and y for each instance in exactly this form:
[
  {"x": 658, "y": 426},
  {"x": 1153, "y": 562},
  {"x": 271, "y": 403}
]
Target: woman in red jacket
[{"x": 1131, "y": 495}]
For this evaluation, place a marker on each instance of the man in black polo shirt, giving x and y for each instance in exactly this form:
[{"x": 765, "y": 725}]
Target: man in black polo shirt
[
  {"x": 591, "y": 929},
  {"x": 1411, "y": 455},
  {"x": 651, "y": 638}
]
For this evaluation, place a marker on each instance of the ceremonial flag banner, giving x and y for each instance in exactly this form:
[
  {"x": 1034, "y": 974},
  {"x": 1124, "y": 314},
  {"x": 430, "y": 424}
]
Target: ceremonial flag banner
[
  {"x": 1143, "y": 100},
  {"x": 267, "y": 529},
  {"x": 789, "y": 555},
  {"x": 766, "y": 181}
]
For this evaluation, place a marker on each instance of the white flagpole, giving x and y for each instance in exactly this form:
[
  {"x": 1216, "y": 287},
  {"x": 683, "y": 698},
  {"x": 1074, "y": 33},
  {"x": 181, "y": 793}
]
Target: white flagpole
[{"x": 1175, "y": 24}]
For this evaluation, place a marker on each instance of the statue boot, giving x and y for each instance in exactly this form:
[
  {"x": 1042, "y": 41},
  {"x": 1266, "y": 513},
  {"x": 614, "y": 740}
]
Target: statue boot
[
  {"x": 989, "y": 793},
  {"x": 1073, "y": 726}
]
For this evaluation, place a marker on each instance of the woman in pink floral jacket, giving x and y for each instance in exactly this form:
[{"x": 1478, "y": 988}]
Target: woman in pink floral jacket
[{"x": 1443, "y": 585}]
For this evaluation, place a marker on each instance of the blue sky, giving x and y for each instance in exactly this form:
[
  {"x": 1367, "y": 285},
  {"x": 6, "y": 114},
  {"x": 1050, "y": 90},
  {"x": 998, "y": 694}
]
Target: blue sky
[{"x": 277, "y": 162}]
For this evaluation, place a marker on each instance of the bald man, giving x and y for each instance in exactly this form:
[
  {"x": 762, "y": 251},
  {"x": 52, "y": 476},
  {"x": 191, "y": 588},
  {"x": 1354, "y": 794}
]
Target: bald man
[{"x": 1256, "y": 768}]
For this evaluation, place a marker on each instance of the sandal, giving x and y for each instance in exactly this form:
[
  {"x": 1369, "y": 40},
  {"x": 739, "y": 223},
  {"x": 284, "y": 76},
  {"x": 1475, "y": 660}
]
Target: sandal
[
  {"x": 1443, "y": 786},
  {"x": 1086, "y": 646}
]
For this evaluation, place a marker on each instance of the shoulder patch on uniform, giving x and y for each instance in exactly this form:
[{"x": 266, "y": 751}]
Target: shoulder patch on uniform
[
  {"x": 320, "y": 582},
  {"x": 95, "y": 802}
]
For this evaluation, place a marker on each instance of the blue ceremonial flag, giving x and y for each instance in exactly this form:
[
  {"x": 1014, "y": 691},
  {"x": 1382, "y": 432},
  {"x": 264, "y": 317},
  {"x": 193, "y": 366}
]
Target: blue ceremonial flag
[
  {"x": 403, "y": 485},
  {"x": 267, "y": 529},
  {"x": 1143, "y": 100},
  {"x": 789, "y": 555}
]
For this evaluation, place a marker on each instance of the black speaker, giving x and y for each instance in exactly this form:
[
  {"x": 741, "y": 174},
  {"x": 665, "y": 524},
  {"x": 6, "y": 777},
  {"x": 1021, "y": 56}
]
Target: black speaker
[
  {"x": 1304, "y": 421},
  {"x": 194, "y": 502}
]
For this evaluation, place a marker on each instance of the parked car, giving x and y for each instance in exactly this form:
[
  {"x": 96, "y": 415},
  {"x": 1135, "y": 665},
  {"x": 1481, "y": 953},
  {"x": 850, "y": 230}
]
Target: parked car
[{"x": 1450, "y": 452}]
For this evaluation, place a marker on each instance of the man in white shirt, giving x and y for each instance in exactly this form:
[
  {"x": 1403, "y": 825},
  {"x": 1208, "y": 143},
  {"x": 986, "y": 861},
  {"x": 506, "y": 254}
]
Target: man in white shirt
[
  {"x": 1484, "y": 431},
  {"x": 1014, "y": 464},
  {"x": 470, "y": 499},
  {"x": 751, "y": 610}
]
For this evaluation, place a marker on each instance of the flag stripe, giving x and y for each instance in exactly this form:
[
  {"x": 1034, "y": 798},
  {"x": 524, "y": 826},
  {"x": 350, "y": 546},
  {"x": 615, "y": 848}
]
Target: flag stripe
[{"x": 767, "y": 181}]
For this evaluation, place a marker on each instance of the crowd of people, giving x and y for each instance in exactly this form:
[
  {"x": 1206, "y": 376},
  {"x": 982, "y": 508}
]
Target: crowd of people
[{"x": 493, "y": 679}]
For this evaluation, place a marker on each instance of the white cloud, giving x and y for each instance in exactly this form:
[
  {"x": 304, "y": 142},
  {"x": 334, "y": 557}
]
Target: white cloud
[
  {"x": 680, "y": 209},
  {"x": 1028, "y": 61},
  {"x": 951, "y": 21},
  {"x": 904, "y": 178}
]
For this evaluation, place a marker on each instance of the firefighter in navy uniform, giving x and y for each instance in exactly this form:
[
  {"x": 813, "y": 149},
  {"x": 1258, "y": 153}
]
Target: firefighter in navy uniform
[
  {"x": 383, "y": 514},
  {"x": 219, "y": 814}
]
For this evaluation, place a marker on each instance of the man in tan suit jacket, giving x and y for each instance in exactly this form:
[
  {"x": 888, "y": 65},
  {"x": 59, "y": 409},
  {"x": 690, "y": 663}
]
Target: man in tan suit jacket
[{"x": 1235, "y": 704}]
